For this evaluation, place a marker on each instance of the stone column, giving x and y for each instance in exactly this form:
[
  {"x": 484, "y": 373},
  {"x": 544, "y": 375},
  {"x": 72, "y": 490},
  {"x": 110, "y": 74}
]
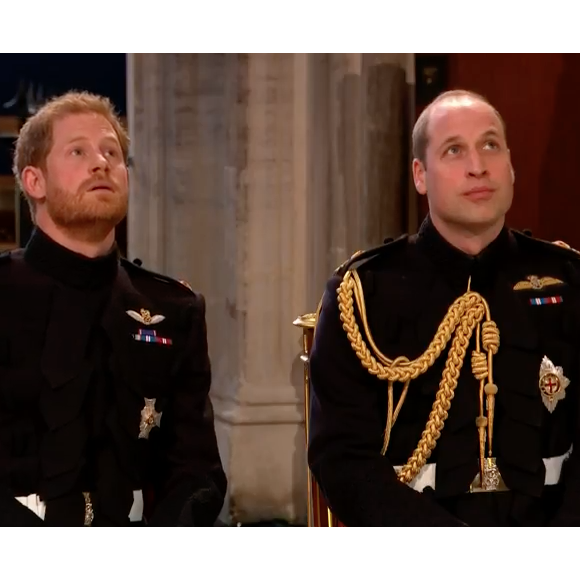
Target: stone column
[{"x": 253, "y": 177}]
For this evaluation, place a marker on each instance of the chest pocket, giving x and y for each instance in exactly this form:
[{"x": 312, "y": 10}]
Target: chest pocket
[
  {"x": 145, "y": 364},
  {"x": 548, "y": 307},
  {"x": 145, "y": 351}
]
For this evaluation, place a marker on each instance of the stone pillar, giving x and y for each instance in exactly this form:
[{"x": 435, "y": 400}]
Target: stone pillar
[{"x": 253, "y": 177}]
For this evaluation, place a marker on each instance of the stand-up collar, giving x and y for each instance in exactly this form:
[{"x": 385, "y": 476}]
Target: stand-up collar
[
  {"x": 457, "y": 266},
  {"x": 68, "y": 267}
]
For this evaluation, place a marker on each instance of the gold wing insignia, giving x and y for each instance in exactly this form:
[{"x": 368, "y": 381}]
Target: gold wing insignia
[
  {"x": 144, "y": 317},
  {"x": 537, "y": 283}
]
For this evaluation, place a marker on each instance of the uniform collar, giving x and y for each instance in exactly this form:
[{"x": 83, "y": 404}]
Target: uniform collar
[
  {"x": 457, "y": 266},
  {"x": 68, "y": 267}
]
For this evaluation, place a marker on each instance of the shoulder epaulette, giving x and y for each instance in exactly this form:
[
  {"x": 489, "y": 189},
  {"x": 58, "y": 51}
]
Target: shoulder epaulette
[
  {"x": 8, "y": 255},
  {"x": 558, "y": 246},
  {"x": 561, "y": 244},
  {"x": 360, "y": 257},
  {"x": 136, "y": 265}
]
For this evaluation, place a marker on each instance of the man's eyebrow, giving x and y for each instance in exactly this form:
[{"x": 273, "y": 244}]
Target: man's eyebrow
[
  {"x": 450, "y": 140},
  {"x": 82, "y": 138},
  {"x": 75, "y": 139},
  {"x": 493, "y": 131},
  {"x": 454, "y": 138}
]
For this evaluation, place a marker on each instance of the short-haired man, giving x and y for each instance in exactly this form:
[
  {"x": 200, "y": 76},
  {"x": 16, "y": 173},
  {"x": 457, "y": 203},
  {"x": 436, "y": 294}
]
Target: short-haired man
[
  {"x": 104, "y": 368},
  {"x": 445, "y": 365}
]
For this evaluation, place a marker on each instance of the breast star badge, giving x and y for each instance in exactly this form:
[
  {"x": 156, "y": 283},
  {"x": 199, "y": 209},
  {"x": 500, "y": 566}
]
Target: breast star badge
[
  {"x": 149, "y": 418},
  {"x": 553, "y": 384}
]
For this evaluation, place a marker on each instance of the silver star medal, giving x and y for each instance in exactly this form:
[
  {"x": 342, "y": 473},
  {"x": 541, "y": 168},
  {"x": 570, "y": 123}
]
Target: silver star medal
[
  {"x": 553, "y": 384},
  {"x": 149, "y": 418}
]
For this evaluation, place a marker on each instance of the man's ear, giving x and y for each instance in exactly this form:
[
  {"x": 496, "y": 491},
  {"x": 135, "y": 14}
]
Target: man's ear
[
  {"x": 33, "y": 182},
  {"x": 419, "y": 176}
]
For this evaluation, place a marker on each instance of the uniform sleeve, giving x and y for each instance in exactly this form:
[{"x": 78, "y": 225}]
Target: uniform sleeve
[
  {"x": 196, "y": 483},
  {"x": 13, "y": 513},
  {"x": 346, "y": 434},
  {"x": 569, "y": 512}
]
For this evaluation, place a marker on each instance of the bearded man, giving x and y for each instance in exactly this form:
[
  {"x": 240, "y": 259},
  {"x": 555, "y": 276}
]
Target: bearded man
[{"x": 105, "y": 417}]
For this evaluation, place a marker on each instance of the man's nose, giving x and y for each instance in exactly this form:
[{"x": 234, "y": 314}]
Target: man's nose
[
  {"x": 99, "y": 162},
  {"x": 475, "y": 165}
]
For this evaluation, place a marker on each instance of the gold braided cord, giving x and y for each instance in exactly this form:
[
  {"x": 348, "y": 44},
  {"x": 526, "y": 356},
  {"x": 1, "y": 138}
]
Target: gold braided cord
[
  {"x": 479, "y": 365},
  {"x": 463, "y": 316}
]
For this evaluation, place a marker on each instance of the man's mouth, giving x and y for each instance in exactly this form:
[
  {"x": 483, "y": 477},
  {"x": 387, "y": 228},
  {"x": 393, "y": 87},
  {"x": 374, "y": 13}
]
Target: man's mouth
[
  {"x": 100, "y": 187},
  {"x": 479, "y": 193}
]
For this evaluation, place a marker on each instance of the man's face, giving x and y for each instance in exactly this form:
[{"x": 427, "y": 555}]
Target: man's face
[
  {"x": 468, "y": 175},
  {"x": 85, "y": 178}
]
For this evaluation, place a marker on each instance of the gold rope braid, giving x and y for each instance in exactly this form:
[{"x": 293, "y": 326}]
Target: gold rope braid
[{"x": 463, "y": 316}]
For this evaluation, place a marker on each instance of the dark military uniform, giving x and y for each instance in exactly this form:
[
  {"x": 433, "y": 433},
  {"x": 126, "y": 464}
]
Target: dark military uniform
[
  {"x": 104, "y": 380},
  {"x": 533, "y": 292}
]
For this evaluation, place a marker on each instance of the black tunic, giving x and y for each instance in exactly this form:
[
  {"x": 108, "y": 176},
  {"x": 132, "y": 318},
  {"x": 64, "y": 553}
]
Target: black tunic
[
  {"x": 408, "y": 287},
  {"x": 74, "y": 374}
]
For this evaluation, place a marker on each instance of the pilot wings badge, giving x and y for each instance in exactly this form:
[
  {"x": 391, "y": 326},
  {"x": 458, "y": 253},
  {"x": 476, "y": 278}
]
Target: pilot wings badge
[
  {"x": 144, "y": 317},
  {"x": 553, "y": 384},
  {"x": 149, "y": 418},
  {"x": 537, "y": 283}
]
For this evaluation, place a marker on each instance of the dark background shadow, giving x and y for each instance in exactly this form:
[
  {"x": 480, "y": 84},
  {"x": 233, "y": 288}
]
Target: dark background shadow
[{"x": 559, "y": 203}]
